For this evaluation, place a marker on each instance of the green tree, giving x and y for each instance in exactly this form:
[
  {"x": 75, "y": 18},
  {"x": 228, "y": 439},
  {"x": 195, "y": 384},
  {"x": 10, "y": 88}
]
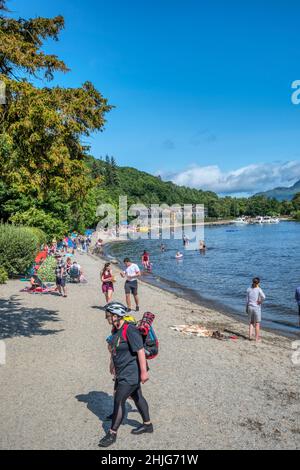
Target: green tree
[{"x": 42, "y": 158}]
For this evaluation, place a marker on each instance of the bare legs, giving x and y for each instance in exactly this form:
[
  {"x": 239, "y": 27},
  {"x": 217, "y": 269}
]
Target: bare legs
[
  {"x": 128, "y": 300},
  {"x": 255, "y": 327},
  {"x": 108, "y": 295}
]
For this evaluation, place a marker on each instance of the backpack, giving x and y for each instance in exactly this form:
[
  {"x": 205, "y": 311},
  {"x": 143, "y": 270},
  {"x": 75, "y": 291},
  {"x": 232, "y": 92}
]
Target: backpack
[{"x": 151, "y": 344}]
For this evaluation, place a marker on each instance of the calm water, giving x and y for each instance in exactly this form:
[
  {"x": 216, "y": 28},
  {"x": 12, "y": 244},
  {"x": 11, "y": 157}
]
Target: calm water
[{"x": 234, "y": 255}]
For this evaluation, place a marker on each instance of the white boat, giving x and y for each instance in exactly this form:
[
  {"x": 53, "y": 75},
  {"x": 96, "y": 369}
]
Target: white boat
[
  {"x": 241, "y": 221},
  {"x": 274, "y": 220}
]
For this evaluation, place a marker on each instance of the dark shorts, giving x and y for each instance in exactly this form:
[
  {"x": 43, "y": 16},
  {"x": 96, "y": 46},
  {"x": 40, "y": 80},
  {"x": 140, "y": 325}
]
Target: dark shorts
[
  {"x": 106, "y": 286},
  {"x": 131, "y": 287},
  {"x": 61, "y": 281}
]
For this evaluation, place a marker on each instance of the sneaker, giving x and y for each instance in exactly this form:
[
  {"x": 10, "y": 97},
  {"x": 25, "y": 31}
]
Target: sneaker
[
  {"x": 144, "y": 428},
  {"x": 109, "y": 439},
  {"x": 137, "y": 308},
  {"x": 128, "y": 310}
]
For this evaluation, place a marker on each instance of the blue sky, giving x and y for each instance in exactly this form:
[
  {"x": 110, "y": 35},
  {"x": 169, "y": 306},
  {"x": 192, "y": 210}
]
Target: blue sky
[{"x": 202, "y": 89}]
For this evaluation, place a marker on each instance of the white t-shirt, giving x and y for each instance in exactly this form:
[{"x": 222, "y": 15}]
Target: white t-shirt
[
  {"x": 255, "y": 294},
  {"x": 132, "y": 270}
]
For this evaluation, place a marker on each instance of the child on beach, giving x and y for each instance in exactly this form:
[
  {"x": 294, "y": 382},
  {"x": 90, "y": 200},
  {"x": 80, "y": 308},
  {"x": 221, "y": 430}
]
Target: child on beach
[
  {"x": 146, "y": 260},
  {"x": 255, "y": 298}
]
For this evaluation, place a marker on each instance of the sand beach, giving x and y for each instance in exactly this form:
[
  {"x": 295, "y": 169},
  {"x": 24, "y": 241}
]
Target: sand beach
[{"x": 203, "y": 393}]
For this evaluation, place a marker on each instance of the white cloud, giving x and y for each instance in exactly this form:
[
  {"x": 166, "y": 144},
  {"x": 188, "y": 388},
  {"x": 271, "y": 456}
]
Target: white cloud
[{"x": 249, "y": 179}]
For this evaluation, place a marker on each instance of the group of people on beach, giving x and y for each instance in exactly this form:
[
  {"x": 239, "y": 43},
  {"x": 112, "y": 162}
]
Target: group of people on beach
[
  {"x": 128, "y": 363},
  {"x": 66, "y": 269},
  {"x": 130, "y": 274},
  {"x": 126, "y": 345}
]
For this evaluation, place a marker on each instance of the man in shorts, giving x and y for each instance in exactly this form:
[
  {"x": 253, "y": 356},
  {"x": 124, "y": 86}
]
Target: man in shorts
[
  {"x": 131, "y": 273},
  {"x": 60, "y": 274}
]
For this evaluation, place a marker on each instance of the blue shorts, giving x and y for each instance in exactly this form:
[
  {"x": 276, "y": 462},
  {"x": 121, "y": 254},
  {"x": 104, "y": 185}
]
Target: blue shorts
[{"x": 61, "y": 281}]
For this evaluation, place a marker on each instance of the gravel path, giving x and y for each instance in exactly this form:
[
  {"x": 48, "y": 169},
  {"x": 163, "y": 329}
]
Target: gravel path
[{"x": 203, "y": 393}]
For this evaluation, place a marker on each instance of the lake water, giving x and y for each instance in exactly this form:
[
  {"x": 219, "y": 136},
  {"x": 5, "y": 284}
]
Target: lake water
[{"x": 235, "y": 254}]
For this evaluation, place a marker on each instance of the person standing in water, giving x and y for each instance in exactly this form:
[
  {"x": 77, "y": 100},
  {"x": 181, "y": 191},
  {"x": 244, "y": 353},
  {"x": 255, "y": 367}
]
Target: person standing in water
[
  {"x": 146, "y": 260},
  {"x": 185, "y": 240},
  {"x": 255, "y": 298},
  {"x": 202, "y": 246}
]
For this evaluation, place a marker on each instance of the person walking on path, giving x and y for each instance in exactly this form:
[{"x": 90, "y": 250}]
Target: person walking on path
[
  {"x": 255, "y": 298},
  {"x": 129, "y": 367},
  {"x": 132, "y": 272},
  {"x": 297, "y": 298},
  {"x": 60, "y": 274},
  {"x": 107, "y": 279}
]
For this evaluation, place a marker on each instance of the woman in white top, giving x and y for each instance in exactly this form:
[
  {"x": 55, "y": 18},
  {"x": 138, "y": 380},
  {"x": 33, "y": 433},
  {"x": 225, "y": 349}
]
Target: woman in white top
[{"x": 255, "y": 298}]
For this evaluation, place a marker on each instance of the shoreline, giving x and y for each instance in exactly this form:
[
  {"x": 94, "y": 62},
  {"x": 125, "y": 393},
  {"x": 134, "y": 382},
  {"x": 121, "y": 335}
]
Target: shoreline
[{"x": 194, "y": 297}]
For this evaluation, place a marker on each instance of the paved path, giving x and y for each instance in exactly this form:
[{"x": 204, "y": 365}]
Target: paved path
[{"x": 203, "y": 393}]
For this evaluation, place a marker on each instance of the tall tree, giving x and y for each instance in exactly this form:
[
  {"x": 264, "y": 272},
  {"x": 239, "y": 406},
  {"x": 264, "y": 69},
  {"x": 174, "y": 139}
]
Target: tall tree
[{"x": 41, "y": 153}]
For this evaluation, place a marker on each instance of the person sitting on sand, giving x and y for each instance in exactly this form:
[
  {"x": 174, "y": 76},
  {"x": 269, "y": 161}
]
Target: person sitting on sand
[
  {"x": 255, "y": 298},
  {"x": 35, "y": 282},
  {"x": 75, "y": 271}
]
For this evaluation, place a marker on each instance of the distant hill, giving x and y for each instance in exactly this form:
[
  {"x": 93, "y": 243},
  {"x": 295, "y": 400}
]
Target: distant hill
[{"x": 282, "y": 194}]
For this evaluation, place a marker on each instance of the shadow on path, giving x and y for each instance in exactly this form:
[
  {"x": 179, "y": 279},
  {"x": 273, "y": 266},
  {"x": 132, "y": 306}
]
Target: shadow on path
[
  {"x": 101, "y": 404},
  {"x": 98, "y": 307},
  {"x": 16, "y": 320}
]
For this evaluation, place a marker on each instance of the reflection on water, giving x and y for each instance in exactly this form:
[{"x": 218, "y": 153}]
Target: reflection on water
[{"x": 224, "y": 271}]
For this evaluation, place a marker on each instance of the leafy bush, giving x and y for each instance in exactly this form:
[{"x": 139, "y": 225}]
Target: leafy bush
[
  {"x": 40, "y": 234},
  {"x": 296, "y": 215},
  {"x": 18, "y": 248},
  {"x": 3, "y": 275},
  {"x": 46, "y": 222},
  {"x": 47, "y": 270}
]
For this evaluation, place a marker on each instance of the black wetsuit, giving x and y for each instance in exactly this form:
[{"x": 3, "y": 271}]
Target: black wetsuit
[{"x": 124, "y": 355}]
